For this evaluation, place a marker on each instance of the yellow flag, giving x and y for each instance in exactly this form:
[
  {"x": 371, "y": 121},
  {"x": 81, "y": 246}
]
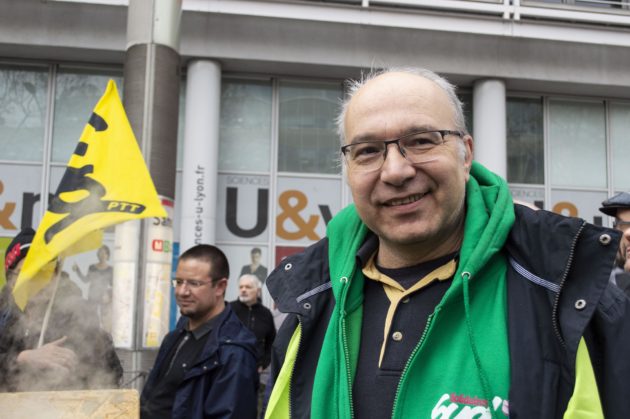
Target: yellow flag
[{"x": 106, "y": 182}]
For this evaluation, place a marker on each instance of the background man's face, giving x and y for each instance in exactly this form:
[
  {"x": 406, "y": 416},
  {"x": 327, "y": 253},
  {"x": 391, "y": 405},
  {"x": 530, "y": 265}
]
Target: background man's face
[
  {"x": 197, "y": 303},
  {"x": 248, "y": 293},
  {"x": 624, "y": 245},
  {"x": 255, "y": 258},
  {"x": 406, "y": 204}
]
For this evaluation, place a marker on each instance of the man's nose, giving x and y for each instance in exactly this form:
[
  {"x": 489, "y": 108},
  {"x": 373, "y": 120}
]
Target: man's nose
[
  {"x": 183, "y": 289},
  {"x": 396, "y": 168}
]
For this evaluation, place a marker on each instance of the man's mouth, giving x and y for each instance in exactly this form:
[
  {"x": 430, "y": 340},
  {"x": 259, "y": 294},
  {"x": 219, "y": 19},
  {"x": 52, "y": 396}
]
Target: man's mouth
[{"x": 404, "y": 201}]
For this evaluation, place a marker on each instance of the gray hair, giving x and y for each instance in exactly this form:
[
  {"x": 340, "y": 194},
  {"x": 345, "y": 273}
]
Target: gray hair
[
  {"x": 353, "y": 86},
  {"x": 253, "y": 278}
]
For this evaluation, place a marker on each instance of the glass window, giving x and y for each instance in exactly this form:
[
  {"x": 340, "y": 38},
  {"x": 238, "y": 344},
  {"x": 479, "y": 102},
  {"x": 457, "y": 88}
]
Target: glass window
[
  {"x": 22, "y": 113},
  {"x": 245, "y": 128},
  {"x": 620, "y": 139},
  {"x": 308, "y": 141},
  {"x": 525, "y": 144},
  {"x": 577, "y": 137},
  {"x": 76, "y": 95}
]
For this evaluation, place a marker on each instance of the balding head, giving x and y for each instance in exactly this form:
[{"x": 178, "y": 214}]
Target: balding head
[{"x": 354, "y": 86}]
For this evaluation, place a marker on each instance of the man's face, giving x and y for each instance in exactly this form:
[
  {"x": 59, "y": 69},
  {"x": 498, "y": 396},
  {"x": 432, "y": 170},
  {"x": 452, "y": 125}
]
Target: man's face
[
  {"x": 201, "y": 301},
  {"x": 255, "y": 258},
  {"x": 623, "y": 215},
  {"x": 406, "y": 205},
  {"x": 248, "y": 293}
]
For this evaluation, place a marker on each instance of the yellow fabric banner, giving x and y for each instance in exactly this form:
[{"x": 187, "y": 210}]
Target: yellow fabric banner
[{"x": 106, "y": 182}]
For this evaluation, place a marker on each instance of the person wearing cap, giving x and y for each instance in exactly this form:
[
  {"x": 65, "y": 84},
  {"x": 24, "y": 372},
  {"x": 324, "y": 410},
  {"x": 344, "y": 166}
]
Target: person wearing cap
[
  {"x": 618, "y": 206},
  {"x": 77, "y": 354}
]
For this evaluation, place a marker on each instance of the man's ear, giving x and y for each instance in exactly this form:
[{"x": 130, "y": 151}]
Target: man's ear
[
  {"x": 221, "y": 285},
  {"x": 468, "y": 157}
]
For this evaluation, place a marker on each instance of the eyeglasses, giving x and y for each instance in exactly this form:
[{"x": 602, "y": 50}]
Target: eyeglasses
[
  {"x": 191, "y": 283},
  {"x": 621, "y": 225},
  {"x": 368, "y": 156}
]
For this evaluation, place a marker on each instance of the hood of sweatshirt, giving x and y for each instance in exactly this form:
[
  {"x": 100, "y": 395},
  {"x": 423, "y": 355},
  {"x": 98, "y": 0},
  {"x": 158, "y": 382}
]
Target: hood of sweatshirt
[{"x": 489, "y": 217}]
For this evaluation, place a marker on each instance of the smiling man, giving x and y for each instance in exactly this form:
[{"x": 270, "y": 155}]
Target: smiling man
[
  {"x": 206, "y": 367},
  {"x": 434, "y": 295}
]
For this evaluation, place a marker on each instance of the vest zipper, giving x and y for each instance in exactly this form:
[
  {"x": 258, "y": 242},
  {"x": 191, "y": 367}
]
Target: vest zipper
[
  {"x": 413, "y": 353},
  {"x": 344, "y": 340},
  {"x": 554, "y": 315},
  {"x": 297, "y": 355}
]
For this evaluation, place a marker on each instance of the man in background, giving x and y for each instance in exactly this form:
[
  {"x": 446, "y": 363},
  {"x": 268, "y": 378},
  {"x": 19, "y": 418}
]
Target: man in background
[
  {"x": 206, "y": 367},
  {"x": 256, "y": 317},
  {"x": 619, "y": 207}
]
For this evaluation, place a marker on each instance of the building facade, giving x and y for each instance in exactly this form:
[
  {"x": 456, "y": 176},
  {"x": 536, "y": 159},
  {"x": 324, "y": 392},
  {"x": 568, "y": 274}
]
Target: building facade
[{"x": 545, "y": 84}]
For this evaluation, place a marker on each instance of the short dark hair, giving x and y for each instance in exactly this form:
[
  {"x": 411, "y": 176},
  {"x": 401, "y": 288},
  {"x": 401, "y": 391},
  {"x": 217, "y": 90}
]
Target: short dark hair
[
  {"x": 219, "y": 267},
  {"x": 256, "y": 250}
]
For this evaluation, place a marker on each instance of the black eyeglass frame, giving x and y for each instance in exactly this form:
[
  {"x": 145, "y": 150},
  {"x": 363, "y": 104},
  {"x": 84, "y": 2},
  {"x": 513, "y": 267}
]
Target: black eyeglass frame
[{"x": 443, "y": 133}]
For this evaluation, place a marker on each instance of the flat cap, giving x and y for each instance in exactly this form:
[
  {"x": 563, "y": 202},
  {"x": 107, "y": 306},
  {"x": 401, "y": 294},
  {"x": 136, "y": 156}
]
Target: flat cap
[{"x": 619, "y": 201}]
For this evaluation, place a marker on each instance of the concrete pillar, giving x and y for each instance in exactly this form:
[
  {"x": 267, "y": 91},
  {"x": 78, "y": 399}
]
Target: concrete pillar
[
  {"x": 201, "y": 154},
  {"x": 489, "y": 125},
  {"x": 151, "y": 99}
]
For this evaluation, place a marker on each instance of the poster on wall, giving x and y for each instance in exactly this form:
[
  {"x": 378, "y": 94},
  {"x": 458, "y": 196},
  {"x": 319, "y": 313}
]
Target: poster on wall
[
  {"x": 91, "y": 275},
  {"x": 125, "y": 260},
  {"x": 583, "y": 204},
  {"x": 571, "y": 203},
  {"x": 303, "y": 209},
  {"x": 159, "y": 257},
  {"x": 283, "y": 252},
  {"x": 243, "y": 208},
  {"x": 20, "y": 190},
  {"x": 245, "y": 259}
]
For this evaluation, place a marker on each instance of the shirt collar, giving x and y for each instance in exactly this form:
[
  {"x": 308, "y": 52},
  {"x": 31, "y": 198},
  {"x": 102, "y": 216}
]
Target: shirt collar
[
  {"x": 204, "y": 329},
  {"x": 367, "y": 249}
]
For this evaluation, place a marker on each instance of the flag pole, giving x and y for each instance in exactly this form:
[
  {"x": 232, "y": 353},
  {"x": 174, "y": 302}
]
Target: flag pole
[{"x": 51, "y": 302}]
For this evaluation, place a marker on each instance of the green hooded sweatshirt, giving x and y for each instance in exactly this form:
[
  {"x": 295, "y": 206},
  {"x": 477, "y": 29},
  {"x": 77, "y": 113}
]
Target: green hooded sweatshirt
[{"x": 460, "y": 368}]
